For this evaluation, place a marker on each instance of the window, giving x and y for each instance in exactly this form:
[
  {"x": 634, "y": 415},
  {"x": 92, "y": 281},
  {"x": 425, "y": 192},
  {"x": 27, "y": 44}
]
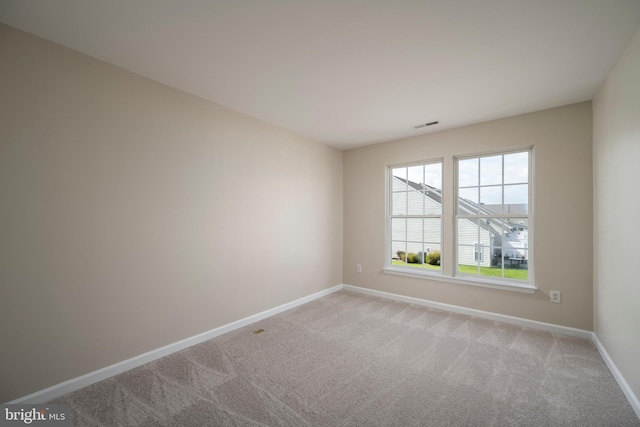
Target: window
[
  {"x": 478, "y": 234},
  {"x": 478, "y": 252},
  {"x": 493, "y": 216},
  {"x": 415, "y": 217}
]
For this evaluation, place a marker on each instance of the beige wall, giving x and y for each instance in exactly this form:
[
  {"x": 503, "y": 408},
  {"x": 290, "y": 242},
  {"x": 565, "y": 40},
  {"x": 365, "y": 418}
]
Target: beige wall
[
  {"x": 562, "y": 140},
  {"x": 616, "y": 150},
  {"x": 135, "y": 215}
]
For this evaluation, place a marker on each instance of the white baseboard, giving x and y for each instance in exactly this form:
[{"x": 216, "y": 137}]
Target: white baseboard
[
  {"x": 626, "y": 389},
  {"x": 534, "y": 324},
  {"x": 115, "y": 369},
  {"x": 77, "y": 383}
]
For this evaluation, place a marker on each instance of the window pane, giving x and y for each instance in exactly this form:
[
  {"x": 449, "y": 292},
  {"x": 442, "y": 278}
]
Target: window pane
[
  {"x": 491, "y": 199},
  {"x": 414, "y": 250},
  {"x": 516, "y": 198},
  {"x": 416, "y": 174},
  {"x": 473, "y": 245},
  {"x": 432, "y": 247},
  {"x": 468, "y": 231},
  {"x": 517, "y": 267},
  {"x": 485, "y": 244},
  {"x": 516, "y": 249},
  {"x": 481, "y": 254},
  {"x": 432, "y": 258},
  {"x": 468, "y": 173},
  {"x": 491, "y": 170},
  {"x": 516, "y": 239},
  {"x": 414, "y": 230},
  {"x": 416, "y": 191},
  {"x": 399, "y": 185},
  {"x": 398, "y": 252},
  {"x": 488, "y": 244},
  {"x": 466, "y": 260},
  {"x": 488, "y": 249},
  {"x": 516, "y": 168},
  {"x": 468, "y": 200},
  {"x": 398, "y": 229},
  {"x": 399, "y": 202},
  {"x": 432, "y": 203},
  {"x": 498, "y": 229},
  {"x": 400, "y": 172},
  {"x": 432, "y": 232},
  {"x": 470, "y": 194},
  {"x": 399, "y": 179},
  {"x": 416, "y": 202},
  {"x": 518, "y": 259},
  {"x": 433, "y": 175}
]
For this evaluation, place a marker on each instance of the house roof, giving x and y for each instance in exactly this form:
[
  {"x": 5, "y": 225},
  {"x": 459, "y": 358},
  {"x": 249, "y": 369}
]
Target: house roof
[{"x": 466, "y": 206}]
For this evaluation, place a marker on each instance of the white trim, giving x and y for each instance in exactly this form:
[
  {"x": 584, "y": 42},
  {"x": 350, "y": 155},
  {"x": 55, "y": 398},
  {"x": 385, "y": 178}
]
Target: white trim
[
  {"x": 125, "y": 365},
  {"x": 526, "y": 288},
  {"x": 388, "y": 191},
  {"x": 530, "y": 200},
  {"x": 533, "y": 324},
  {"x": 626, "y": 389},
  {"x": 77, "y": 383}
]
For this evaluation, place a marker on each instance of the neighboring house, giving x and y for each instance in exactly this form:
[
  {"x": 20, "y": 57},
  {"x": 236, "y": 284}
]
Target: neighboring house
[{"x": 479, "y": 241}]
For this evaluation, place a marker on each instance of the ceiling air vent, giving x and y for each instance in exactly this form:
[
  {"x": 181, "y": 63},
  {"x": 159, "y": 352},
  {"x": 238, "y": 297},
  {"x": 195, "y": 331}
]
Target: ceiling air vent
[{"x": 425, "y": 125}]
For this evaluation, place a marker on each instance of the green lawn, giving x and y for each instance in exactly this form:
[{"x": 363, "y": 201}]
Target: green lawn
[{"x": 509, "y": 272}]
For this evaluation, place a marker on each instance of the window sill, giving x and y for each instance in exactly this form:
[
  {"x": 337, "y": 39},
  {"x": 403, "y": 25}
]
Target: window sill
[{"x": 527, "y": 288}]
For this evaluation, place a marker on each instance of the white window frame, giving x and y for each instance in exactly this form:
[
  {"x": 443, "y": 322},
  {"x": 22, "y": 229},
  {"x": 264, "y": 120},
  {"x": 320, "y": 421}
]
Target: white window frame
[
  {"x": 449, "y": 245},
  {"x": 389, "y": 266},
  {"x": 528, "y": 216}
]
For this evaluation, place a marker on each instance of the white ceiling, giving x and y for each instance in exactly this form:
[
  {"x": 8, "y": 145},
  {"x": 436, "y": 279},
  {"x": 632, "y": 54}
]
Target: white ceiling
[{"x": 352, "y": 73}]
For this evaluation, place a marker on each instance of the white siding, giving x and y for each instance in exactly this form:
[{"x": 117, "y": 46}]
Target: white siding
[
  {"x": 432, "y": 207},
  {"x": 468, "y": 235},
  {"x": 399, "y": 204},
  {"x": 416, "y": 202},
  {"x": 399, "y": 185},
  {"x": 432, "y": 232},
  {"x": 414, "y": 229},
  {"x": 398, "y": 228}
]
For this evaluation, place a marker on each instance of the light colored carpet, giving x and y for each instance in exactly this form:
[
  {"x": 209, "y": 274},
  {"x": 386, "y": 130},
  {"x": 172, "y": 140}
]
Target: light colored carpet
[{"x": 354, "y": 360}]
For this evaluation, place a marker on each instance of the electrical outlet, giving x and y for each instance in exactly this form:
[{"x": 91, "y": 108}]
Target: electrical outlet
[
  {"x": 358, "y": 268},
  {"x": 554, "y": 296}
]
